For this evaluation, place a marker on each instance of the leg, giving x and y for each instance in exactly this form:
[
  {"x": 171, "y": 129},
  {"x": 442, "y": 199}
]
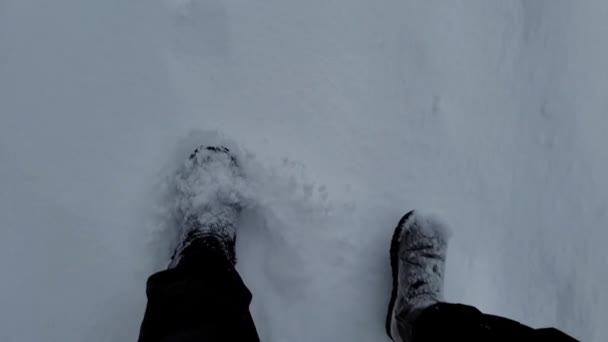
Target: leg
[
  {"x": 201, "y": 297},
  {"x": 466, "y": 323},
  {"x": 417, "y": 312}
]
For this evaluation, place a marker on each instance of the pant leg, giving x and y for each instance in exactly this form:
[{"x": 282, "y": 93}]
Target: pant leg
[
  {"x": 203, "y": 299},
  {"x": 455, "y": 322}
]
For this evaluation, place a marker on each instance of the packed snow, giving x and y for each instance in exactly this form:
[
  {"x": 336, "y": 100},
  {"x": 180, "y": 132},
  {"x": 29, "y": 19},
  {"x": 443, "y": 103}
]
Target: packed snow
[{"x": 345, "y": 114}]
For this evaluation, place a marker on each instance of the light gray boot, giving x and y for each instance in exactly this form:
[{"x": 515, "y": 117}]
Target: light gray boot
[
  {"x": 418, "y": 252},
  {"x": 207, "y": 201}
]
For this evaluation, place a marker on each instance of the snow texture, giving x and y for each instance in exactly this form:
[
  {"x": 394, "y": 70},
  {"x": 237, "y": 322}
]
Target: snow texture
[
  {"x": 428, "y": 225},
  {"x": 347, "y": 113}
]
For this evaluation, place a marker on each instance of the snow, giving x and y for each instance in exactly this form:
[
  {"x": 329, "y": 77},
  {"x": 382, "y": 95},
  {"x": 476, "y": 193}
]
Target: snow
[
  {"x": 491, "y": 114},
  {"x": 429, "y": 225}
]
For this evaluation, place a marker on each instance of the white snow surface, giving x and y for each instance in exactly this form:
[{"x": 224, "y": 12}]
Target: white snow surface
[{"x": 346, "y": 114}]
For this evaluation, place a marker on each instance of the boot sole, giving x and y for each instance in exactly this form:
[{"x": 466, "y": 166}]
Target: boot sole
[
  {"x": 216, "y": 149},
  {"x": 394, "y": 255}
]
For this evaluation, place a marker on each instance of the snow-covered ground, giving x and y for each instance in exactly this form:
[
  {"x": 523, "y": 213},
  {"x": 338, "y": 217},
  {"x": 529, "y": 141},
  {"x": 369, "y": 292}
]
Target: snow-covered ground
[{"x": 348, "y": 113}]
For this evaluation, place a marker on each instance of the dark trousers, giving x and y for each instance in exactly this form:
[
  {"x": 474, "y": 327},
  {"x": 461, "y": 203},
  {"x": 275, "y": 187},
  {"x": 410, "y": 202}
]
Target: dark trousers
[
  {"x": 457, "y": 322},
  {"x": 204, "y": 299}
]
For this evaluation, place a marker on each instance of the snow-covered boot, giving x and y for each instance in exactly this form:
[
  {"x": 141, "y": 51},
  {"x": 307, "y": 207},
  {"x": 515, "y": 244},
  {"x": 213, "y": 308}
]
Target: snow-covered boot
[
  {"x": 418, "y": 252},
  {"x": 207, "y": 203}
]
